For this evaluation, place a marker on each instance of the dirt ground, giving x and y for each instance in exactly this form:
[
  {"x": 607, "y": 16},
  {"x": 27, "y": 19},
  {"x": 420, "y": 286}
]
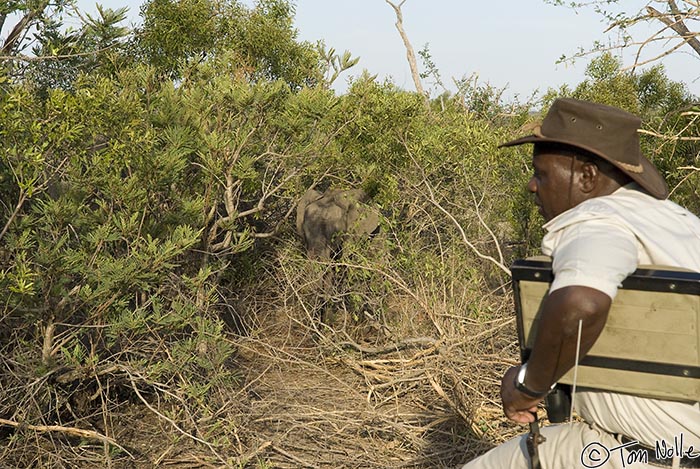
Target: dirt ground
[
  {"x": 417, "y": 388},
  {"x": 320, "y": 399}
]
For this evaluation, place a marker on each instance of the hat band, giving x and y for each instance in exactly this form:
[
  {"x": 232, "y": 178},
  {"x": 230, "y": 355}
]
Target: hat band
[{"x": 632, "y": 168}]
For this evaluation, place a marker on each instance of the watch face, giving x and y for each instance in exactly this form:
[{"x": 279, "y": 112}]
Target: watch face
[
  {"x": 521, "y": 374},
  {"x": 520, "y": 383}
]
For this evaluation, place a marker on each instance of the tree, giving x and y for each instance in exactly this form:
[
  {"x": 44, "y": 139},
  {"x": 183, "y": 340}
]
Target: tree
[
  {"x": 58, "y": 54},
  {"x": 675, "y": 19},
  {"x": 131, "y": 206},
  {"x": 410, "y": 54},
  {"x": 176, "y": 33},
  {"x": 33, "y": 15},
  {"x": 673, "y": 36},
  {"x": 260, "y": 42},
  {"x": 62, "y": 54},
  {"x": 670, "y": 114}
]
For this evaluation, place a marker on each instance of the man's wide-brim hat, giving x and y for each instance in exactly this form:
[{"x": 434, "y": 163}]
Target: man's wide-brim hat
[{"x": 605, "y": 131}]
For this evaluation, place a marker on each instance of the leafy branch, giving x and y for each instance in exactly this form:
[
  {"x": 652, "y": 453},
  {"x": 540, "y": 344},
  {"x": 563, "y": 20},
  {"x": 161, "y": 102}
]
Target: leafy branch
[{"x": 335, "y": 64}]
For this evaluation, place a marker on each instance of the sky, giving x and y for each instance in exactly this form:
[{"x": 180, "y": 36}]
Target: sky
[{"x": 511, "y": 44}]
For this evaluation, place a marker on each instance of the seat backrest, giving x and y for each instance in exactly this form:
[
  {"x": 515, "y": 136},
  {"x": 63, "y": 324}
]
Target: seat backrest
[{"x": 650, "y": 345}]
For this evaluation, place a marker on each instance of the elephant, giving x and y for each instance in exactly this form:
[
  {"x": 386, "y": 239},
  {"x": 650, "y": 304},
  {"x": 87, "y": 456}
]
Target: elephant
[{"x": 324, "y": 220}]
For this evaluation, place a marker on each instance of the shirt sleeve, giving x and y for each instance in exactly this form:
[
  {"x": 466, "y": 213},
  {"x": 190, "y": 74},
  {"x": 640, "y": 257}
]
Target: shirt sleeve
[{"x": 598, "y": 254}]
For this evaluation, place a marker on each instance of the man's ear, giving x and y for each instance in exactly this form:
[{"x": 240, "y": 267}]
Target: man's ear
[{"x": 590, "y": 177}]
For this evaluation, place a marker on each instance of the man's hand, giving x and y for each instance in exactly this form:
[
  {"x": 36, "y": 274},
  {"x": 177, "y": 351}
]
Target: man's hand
[{"x": 517, "y": 406}]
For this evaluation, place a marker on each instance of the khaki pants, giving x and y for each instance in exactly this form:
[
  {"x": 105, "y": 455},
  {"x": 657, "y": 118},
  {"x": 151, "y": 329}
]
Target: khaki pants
[
  {"x": 568, "y": 446},
  {"x": 582, "y": 445}
]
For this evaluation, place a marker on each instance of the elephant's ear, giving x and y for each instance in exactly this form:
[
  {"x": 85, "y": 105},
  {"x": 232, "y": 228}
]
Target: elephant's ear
[
  {"x": 362, "y": 219},
  {"x": 311, "y": 195},
  {"x": 346, "y": 199},
  {"x": 356, "y": 195}
]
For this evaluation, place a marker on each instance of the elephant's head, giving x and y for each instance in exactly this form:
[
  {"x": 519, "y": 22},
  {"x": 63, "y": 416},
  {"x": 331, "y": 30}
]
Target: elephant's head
[
  {"x": 323, "y": 220},
  {"x": 309, "y": 196}
]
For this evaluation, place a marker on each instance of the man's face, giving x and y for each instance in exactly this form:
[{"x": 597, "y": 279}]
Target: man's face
[{"x": 552, "y": 182}]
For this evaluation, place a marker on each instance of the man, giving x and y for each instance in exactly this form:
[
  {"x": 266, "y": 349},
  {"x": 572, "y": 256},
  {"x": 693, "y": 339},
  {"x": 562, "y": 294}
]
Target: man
[{"x": 606, "y": 212}]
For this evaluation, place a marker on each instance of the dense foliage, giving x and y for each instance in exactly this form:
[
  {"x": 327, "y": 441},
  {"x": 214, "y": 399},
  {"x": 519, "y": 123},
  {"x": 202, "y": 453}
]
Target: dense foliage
[{"x": 148, "y": 181}]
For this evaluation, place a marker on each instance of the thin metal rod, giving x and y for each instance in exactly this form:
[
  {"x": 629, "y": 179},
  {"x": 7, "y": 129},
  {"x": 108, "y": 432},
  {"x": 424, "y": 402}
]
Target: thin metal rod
[{"x": 578, "y": 352}]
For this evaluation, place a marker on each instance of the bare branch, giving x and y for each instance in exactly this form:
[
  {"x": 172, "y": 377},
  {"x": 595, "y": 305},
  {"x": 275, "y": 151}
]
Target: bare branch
[
  {"x": 398, "y": 281},
  {"x": 693, "y": 170},
  {"x": 13, "y": 37},
  {"x": 463, "y": 234},
  {"x": 18, "y": 207},
  {"x": 48, "y": 58},
  {"x": 483, "y": 223},
  {"x": 678, "y": 25},
  {"x": 410, "y": 54},
  {"x": 434, "y": 201},
  {"x": 673, "y": 20},
  {"x": 674, "y": 9},
  {"x": 663, "y": 54},
  {"x": 669, "y": 137}
]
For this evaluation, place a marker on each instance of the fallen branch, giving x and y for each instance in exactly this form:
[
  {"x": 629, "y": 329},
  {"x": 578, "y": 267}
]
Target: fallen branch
[
  {"x": 79, "y": 432},
  {"x": 292, "y": 457},
  {"x": 247, "y": 457},
  {"x": 414, "y": 342}
]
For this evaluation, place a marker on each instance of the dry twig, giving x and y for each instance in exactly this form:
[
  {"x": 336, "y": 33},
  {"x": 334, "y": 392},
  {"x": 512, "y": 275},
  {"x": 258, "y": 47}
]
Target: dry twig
[{"x": 71, "y": 431}]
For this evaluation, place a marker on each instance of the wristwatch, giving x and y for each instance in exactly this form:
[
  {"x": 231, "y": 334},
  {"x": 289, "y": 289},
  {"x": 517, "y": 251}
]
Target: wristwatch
[{"x": 520, "y": 384}]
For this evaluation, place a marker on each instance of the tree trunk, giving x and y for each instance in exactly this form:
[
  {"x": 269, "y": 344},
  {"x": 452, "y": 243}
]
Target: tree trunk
[
  {"x": 410, "y": 54},
  {"x": 676, "y": 24},
  {"x": 22, "y": 25}
]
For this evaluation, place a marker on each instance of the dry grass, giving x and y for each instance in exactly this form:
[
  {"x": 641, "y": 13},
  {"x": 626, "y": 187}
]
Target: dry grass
[
  {"x": 403, "y": 371},
  {"x": 413, "y": 386}
]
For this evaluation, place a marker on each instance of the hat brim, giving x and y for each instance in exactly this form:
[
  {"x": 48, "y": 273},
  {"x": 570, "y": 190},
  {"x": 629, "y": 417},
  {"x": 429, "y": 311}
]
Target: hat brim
[{"x": 650, "y": 178}]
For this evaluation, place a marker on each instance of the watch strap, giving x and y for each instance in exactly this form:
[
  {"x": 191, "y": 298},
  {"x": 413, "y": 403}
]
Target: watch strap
[{"x": 520, "y": 384}]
